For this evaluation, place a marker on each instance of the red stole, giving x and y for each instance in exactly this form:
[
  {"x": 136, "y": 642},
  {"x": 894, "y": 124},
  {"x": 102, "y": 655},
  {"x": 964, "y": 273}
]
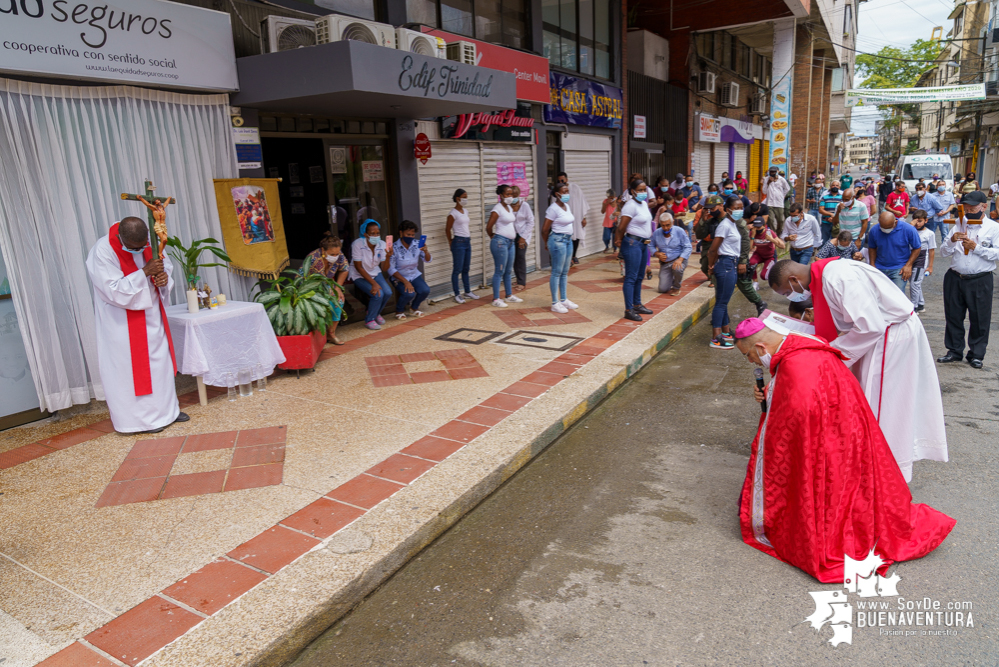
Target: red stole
[
  {"x": 825, "y": 328},
  {"x": 138, "y": 343}
]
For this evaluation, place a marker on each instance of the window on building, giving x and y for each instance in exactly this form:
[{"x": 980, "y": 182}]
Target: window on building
[
  {"x": 728, "y": 51},
  {"x": 706, "y": 46},
  {"x": 758, "y": 67},
  {"x": 577, "y": 35},
  {"x": 495, "y": 21},
  {"x": 847, "y": 19},
  {"x": 745, "y": 61},
  {"x": 837, "y": 79},
  {"x": 363, "y": 9}
]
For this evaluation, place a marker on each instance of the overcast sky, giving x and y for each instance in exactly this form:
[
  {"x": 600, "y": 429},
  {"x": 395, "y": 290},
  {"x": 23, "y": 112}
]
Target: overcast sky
[{"x": 894, "y": 23}]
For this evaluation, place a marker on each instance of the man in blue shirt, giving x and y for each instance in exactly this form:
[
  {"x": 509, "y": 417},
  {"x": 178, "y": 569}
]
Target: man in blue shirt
[
  {"x": 943, "y": 208},
  {"x": 729, "y": 189},
  {"x": 672, "y": 249},
  {"x": 893, "y": 246},
  {"x": 691, "y": 191},
  {"x": 922, "y": 202},
  {"x": 828, "y": 203}
]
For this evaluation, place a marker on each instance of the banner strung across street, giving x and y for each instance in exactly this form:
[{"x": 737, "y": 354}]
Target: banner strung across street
[{"x": 974, "y": 91}]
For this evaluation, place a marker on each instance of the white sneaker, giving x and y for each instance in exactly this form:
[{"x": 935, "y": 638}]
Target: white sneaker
[
  {"x": 756, "y": 286},
  {"x": 471, "y": 295},
  {"x": 513, "y": 298},
  {"x": 458, "y": 298},
  {"x": 499, "y": 303},
  {"x": 569, "y": 304},
  {"x": 559, "y": 308}
]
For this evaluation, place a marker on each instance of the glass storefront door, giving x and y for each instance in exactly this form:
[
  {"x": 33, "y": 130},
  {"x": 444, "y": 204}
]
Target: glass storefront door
[
  {"x": 358, "y": 185},
  {"x": 18, "y": 398}
]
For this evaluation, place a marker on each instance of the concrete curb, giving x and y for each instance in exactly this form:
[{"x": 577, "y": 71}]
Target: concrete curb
[{"x": 334, "y": 596}]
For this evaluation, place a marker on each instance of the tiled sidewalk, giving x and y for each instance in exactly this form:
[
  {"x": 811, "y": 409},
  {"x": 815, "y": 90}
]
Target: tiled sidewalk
[{"x": 129, "y": 544}]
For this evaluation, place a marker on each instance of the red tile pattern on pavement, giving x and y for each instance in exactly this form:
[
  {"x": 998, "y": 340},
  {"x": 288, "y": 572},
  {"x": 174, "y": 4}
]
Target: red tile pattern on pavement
[
  {"x": 144, "y": 475},
  {"x": 151, "y": 625},
  {"x": 456, "y": 364},
  {"x": 599, "y": 285},
  {"x": 525, "y": 318}
]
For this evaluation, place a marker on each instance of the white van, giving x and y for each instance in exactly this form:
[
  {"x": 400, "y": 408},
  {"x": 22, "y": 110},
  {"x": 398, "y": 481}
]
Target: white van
[{"x": 924, "y": 165}]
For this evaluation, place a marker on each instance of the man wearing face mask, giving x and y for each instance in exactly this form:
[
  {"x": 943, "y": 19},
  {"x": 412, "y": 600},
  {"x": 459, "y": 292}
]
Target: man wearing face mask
[
  {"x": 844, "y": 494},
  {"x": 860, "y": 312},
  {"x": 728, "y": 189},
  {"x": 691, "y": 191},
  {"x": 942, "y": 208},
  {"x": 968, "y": 283},
  {"x": 921, "y": 202},
  {"x": 829, "y": 203},
  {"x": 134, "y": 347},
  {"x": 774, "y": 191},
  {"x": 852, "y": 216},
  {"x": 893, "y": 246}
]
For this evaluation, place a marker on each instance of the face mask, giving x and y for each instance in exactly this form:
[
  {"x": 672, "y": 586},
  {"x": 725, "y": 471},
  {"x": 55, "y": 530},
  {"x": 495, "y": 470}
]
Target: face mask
[
  {"x": 641, "y": 196},
  {"x": 516, "y": 200},
  {"x": 689, "y": 183},
  {"x": 919, "y": 192},
  {"x": 798, "y": 297},
  {"x": 712, "y": 192},
  {"x": 765, "y": 360},
  {"x": 847, "y": 202},
  {"x": 407, "y": 240},
  {"x": 793, "y": 218},
  {"x": 886, "y": 231},
  {"x": 507, "y": 200},
  {"x": 737, "y": 214},
  {"x": 717, "y": 214},
  {"x": 137, "y": 253},
  {"x": 332, "y": 257},
  {"x": 373, "y": 240},
  {"x": 833, "y": 191},
  {"x": 565, "y": 199},
  {"x": 463, "y": 201},
  {"x": 942, "y": 188},
  {"x": 974, "y": 216},
  {"x": 727, "y": 191}
]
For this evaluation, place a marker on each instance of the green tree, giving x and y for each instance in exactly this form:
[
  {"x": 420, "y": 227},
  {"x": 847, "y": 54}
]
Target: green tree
[{"x": 892, "y": 67}]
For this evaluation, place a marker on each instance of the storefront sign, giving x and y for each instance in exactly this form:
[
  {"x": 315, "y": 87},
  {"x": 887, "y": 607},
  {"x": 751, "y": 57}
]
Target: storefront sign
[
  {"x": 974, "y": 91},
  {"x": 249, "y": 154},
  {"x": 708, "y": 129},
  {"x": 513, "y": 174},
  {"x": 639, "y": 125},
  {"x": 780, "y": 95},
  {"x": 156, "y": 43},
  {"x": 372, "y": 170},
  {"x": 421, "y": 148},
  {"x": 583, "y": 102},
  {"x": 739, "y": 131},
  {"x": 508, "y": 118},
  {"x": 531, "y": 70},
  {"x": 442, "y": 81}
]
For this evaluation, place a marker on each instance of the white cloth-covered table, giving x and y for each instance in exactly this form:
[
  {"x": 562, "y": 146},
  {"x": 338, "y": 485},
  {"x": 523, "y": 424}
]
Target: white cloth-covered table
[{"x": 210, "y": 344}]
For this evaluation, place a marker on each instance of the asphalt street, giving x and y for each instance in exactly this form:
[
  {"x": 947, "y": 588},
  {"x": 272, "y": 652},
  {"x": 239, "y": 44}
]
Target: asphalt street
[{"x": 620, "y": 545}]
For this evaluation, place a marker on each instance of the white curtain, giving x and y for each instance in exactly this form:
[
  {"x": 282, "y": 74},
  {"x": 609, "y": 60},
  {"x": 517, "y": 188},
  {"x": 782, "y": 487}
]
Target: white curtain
[{"x": 66, "y": 155}]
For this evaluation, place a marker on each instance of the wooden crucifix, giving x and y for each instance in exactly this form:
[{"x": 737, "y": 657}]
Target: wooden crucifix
[{"x": 156, "y": 216}]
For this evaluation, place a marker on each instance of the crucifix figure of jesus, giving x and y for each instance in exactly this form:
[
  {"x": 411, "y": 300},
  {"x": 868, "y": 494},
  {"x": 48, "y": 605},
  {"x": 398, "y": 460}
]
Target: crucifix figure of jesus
[{"x": 156, "y": 216}]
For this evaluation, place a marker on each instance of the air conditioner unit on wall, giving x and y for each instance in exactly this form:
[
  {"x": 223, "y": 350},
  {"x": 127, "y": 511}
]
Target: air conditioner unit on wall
[
  {"x": 758, "y": 104},
  {"x": 280, "y": 33},
  {"x": 706, "y": 82},
  {"x": 418, "y": 42},
  {"x": 729, "y": 94},
  {"x": 462, "y": 52},
  {"x": 334, "y": 28}
]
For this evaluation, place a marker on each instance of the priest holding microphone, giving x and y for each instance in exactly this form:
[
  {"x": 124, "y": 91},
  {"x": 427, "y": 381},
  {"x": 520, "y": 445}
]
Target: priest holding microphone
[{"x": 134, "y": 347}]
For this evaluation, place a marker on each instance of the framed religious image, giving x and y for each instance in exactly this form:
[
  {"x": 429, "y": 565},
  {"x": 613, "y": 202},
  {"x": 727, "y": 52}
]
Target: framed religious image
[
  {"x": 316, "y": 175},
  {"x": 296, "y": 191},
  {"x": 338, "y": 159},
  {"x": 293, "y": 173},
  {"x": 274, "y": 172},
  {"x": 298, "y": 209},
  {"x": 253, "y": 215}
]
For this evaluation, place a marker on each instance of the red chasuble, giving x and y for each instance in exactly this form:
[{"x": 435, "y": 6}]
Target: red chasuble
[
  {"x": 822, "y": 482},
  {"x": 138, "y": 342}
]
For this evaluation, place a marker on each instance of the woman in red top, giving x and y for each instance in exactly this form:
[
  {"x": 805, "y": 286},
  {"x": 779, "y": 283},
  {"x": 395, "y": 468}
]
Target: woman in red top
[{"x": 741, "y": 183}]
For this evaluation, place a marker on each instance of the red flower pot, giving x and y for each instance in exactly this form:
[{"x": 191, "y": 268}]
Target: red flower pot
[{"x": 301, "y": 352}]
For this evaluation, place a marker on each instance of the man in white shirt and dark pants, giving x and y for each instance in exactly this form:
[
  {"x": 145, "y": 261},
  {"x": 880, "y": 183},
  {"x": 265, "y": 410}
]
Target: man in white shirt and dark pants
[
  {"x": 973, "y": 247},
  {"x": 775, "y": 189},
  {"x": 804, "y": 233},
  {"x": 524, "y": 226}
]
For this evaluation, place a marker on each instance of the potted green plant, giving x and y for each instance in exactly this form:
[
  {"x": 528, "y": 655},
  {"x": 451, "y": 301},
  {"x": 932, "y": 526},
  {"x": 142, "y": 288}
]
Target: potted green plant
[
  {"x": 189, "y": 260},
  {"x": 300, "y": 312}
]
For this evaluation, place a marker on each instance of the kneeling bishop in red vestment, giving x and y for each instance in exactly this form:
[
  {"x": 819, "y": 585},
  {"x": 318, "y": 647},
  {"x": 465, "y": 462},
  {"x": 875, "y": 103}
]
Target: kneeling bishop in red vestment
[{"x": 822, "y": 482}]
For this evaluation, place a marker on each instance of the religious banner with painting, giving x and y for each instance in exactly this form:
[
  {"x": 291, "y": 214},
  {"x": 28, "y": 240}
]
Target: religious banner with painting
[{"x": 252, "y": 228}]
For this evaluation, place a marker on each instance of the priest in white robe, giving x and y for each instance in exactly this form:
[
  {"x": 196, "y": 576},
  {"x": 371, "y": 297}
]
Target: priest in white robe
[
  {"x": 135, "y": 351},
  {"x": 860, "y": 312}
]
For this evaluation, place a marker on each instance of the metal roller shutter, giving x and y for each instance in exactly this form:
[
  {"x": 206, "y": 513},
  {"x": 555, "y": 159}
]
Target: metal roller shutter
[
  {"x": 455, "y": 164},
  {"x": 591, "y": 171},
  {"x": 701, "y": 164},
  {"x": 721, "y": 162},
  {"x": 754, "y": 168},
  {"x": 741, "y": 160},
  {"x": 493, "y": 152}
]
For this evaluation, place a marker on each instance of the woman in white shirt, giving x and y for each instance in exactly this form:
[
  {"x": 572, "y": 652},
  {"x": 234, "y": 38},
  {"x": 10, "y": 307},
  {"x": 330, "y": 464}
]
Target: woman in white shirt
[
  {"x": 459, "y": 238},
  {"x": 723, "y": 257},
  {"x": 502, "y": 230},
  {"x": 633, "y": 234},
  {"x": 525, "y": 234},
  {"x": 369, "y": 259},
  {"x": 557, "y": 236}
]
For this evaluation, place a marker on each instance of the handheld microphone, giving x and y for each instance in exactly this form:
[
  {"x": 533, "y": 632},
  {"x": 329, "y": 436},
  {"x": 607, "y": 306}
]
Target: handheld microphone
[{"x": 758, "y": 372}]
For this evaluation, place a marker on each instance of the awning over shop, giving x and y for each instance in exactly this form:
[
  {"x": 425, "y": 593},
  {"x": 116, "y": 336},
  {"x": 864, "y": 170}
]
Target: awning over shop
[{"x": 350, "y": 78}]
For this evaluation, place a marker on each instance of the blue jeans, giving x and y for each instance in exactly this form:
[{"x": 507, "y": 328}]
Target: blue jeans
[
  {"x": 895, "y": 275},
  {"x": 560, "y": 249},
  {"x": 826, "y": 231},
  {"x": 608, "y": 236},
  {"x": 634, "y": 253},
  {"x": 504, "y": 251},
  {"x": 375, "y": 303},
  {"x": 802, "y": 256},
  {"x": 411, "y": 299},
  {"x": 461, "y": 254},
  {"x": 725, "y": 277}
]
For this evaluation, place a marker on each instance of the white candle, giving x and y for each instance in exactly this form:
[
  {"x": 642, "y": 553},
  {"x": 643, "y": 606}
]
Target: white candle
[{"x": 192, "y": 301}]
